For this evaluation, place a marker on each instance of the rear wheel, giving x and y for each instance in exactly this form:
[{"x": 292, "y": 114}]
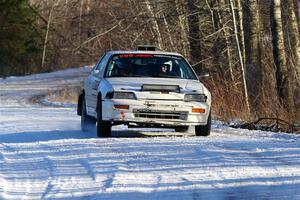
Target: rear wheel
[
  {"x": 204, "y": 130},
  {"x": 103, "y": 127},
  {"x": 87, "y": 122}
]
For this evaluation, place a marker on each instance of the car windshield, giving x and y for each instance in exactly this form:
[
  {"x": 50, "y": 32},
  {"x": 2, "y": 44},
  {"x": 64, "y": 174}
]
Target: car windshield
[{"x": 149, "y": 65}]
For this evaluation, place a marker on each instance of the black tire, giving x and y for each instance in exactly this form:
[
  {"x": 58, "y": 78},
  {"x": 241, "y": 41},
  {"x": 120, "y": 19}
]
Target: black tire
[
  {"x": 204, "y": 130},
  {"x": 103, "y": 127},
  {"x": 181, "y": 129},
  {"x": 87, "y": 122}
]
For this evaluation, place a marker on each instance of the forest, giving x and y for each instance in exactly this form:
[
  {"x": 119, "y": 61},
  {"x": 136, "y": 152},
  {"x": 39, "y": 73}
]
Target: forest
[{"x": 251, "y": 48}]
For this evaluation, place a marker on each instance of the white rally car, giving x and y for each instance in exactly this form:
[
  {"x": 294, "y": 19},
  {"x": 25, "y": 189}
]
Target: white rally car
[{"x": 144, "y": 89}]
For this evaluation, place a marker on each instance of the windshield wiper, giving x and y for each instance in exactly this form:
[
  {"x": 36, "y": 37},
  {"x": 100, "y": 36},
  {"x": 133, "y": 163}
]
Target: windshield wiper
[
  {"x": 166, "y": 76},
  {"x": 133, "y": 75}
]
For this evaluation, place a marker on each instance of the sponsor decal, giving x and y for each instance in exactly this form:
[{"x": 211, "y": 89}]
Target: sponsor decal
[
  {"x": 135, "y": 56},
  {"x": 145, "y": 56}
]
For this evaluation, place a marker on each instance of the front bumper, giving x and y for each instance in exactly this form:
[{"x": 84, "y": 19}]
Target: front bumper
[{"x": 156, "y": 112}]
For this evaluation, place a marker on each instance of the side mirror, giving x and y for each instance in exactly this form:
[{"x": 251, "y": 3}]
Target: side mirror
[
  {"x": 203, "y": 76},
  {"x": 96, "y": 72}
]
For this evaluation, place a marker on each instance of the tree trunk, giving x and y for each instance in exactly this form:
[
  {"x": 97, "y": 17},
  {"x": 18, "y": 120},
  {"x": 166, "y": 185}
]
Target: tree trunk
[
  {"x": 154, "y": 25},
  {"x": 241, "y": 26},
  {"x": 297, "y": 10},
  {"x": 47, "y": 34},
  {"x": 80, "y": 20},
  {"x": 183, "y": 24},
  {"x": 295, "y": 38},
  {"x": 172, "y": 46},
  {"x": 253, "y": 60},
  {"x": 194, "y": 33},
  {"x": 87, "y": 6},
  {"x": 284, "y": 88},
  {"x": 224, "y": 19},
  {"x": 240, "y": 55}
]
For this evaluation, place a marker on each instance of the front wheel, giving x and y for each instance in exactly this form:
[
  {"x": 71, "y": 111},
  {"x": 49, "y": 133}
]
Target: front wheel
[
  {"x": 87, "y": 122},
  {"x": 103, "y": 127},
  {"x": 204, "y": 130}
]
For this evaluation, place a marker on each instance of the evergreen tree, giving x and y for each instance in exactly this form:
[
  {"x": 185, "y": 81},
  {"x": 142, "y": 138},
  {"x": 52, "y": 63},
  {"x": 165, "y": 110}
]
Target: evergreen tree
[{"x": 18, "y": 36}]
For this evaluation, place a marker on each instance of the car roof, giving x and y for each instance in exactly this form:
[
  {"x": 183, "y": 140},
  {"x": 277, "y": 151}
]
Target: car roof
[{"x": 144, "y": 52}]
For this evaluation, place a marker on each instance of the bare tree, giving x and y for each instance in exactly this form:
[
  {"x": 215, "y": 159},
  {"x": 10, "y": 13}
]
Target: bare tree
[
  {"x": 297, "y": 10},
  {"x": 194, "y": 32},
  {"x": 284, "y": 87},
  {"x": 295, "y": 37},
  {"x": 167, "y": 26},
  {"x": 224, "y": 18},
  {"x": 183, "y": 25},
  {"x": 253, "y": 69},
  {"x": 220, "y": 35},
  {"x": 241, "y": 28},
  {"x": 154, "y": 25},
  {"x": 240, "y": 56},
  {"x": 47, "y": 33}
]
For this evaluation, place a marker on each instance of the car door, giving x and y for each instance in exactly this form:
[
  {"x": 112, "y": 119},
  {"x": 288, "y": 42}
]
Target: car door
[
  {"x": 92, "y": 84},
  {"x": 88, "y": 88}
]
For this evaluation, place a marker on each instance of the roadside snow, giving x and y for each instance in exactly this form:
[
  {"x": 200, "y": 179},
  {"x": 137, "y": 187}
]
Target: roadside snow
[
  {"x": 44, "y": 155},
  {"x": 47, "y": 102}
]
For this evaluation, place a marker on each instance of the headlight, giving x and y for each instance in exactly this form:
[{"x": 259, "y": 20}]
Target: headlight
[
  {"x": 123, "y": 95},
  {"x": 195, "y": 97}
]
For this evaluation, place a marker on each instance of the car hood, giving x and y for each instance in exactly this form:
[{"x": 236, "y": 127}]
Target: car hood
[{"x": 135, "y": 84}]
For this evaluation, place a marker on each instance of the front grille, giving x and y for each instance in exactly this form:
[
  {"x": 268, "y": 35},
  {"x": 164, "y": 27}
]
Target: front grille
[{"x": 158, "y": 114}]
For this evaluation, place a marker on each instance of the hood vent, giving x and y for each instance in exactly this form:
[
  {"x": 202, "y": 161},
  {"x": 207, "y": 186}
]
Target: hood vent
[{"x": 161, "y": 88}]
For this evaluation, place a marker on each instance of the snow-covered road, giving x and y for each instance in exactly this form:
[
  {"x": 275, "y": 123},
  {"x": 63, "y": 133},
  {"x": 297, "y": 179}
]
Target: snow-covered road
[{"x": 44, "y": 155}]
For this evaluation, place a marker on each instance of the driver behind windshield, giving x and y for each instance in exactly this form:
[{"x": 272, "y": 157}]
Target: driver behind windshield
[{"x": 165, "y": 70}]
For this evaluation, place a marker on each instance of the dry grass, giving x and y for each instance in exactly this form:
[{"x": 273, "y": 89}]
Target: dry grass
[
  {"x": 229, "y": 104},
  {"x": 66, "y": 95}
]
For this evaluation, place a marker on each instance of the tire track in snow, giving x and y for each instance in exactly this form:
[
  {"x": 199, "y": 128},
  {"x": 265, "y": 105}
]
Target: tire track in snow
[
  {"x": 2, "y": 180},
  {"x": 52, "y": 160},
  {"x": 49, "y": 184},
  {"x": 88, "y": 168},
  {"x": 108, "y": 182}
]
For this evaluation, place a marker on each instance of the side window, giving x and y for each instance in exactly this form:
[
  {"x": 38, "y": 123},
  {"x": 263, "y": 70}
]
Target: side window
[
  {"x": 109, "y": 71},
  {"x": 101, "y": 64},
  {"x": 97, "y": 64}
]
